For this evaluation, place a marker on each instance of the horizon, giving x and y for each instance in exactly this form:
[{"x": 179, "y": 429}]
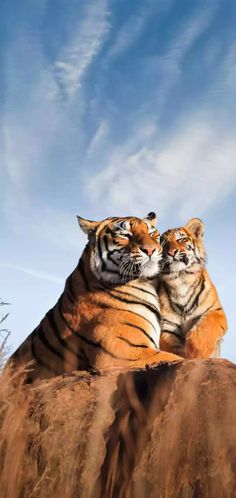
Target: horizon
[{"x": 112, "y": 109}]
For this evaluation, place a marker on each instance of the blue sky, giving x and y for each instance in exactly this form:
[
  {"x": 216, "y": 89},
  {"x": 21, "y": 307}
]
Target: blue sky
[{"x": 113, "y": 108}]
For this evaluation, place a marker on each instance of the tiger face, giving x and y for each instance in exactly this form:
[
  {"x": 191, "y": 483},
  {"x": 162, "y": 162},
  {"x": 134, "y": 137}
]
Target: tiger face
[
  {"x": 183, "y": 247},
  {"x": 123, "y": 249}
]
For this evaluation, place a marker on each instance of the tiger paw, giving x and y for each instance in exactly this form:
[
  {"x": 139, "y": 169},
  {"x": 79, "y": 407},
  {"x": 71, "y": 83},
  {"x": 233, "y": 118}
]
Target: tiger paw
[{"x": 163, "y": 357}]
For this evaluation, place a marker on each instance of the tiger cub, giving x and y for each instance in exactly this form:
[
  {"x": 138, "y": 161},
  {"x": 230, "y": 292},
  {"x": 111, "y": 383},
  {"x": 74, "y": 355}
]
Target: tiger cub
[
  {"x": 193, "y": 320},
  {"x": 108, "y": 314}
]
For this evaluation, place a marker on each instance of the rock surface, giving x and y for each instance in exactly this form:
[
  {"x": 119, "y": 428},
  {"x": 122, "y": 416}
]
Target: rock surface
[{"x": 167, "y": 432}]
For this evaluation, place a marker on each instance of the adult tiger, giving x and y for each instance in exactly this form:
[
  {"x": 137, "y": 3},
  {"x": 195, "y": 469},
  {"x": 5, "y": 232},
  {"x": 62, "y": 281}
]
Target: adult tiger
[
  {"x": 193, "y": 320},
  {"x": 108, "y": 314}
]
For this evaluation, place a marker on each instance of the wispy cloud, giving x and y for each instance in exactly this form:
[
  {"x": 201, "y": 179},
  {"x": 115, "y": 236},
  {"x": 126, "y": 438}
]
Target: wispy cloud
[
  {"x": 130, "y": 30},
  {"x": 33, "y": 273},
  {"x": 192, "y": 172},
  {"x": 85, "y": 43}
]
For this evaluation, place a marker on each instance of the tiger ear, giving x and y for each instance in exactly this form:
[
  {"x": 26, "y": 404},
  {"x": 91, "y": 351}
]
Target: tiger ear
[
  {"x": 89, "y": 227},
  {"x": 152, "y": 217},
  {"x": 196, "y": 226}
]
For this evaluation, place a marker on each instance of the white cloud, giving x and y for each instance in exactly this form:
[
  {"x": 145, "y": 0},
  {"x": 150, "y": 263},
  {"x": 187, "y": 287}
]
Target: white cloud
[
  {"x": 98, "y": 139},
  {"x": 33, "y": 273},
  {"x": 85, "y": 43},
  {"x": 194, "y": 171}
]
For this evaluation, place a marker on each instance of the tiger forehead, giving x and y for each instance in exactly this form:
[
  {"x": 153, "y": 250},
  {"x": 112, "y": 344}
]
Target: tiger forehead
[
  {"x": 129, "y": 224},
  {"x": 176, "y": 233}
]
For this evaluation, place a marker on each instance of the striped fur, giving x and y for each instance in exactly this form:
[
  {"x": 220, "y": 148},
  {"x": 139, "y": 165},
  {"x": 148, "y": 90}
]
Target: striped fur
[
  {"x": 193, "y": 320},
  {"x": 108, "y": 314}
]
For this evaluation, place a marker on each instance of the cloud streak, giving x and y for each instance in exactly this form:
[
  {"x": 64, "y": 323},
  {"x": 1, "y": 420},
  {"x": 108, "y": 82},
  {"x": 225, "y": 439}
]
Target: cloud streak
[
  {"x": 33, "y": 273},
  {"x": 84, "y": 45}
]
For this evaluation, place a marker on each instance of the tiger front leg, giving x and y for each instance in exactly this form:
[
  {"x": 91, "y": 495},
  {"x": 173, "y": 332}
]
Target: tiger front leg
[{"x": 203, "y": 337}]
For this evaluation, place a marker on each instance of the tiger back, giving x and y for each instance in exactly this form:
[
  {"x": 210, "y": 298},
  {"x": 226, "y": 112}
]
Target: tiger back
[
  {"x": 108, "y": 314},
  {"x": 193, "y": 320}
]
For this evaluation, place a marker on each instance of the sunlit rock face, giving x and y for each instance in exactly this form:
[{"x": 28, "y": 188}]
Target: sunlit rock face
[{"x": 168, "y": 432}]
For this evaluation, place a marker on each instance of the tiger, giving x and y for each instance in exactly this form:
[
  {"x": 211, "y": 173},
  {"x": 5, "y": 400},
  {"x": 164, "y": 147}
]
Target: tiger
[
  {"x": 193, "y": 320},
  {"x": 108, "y": 314}
]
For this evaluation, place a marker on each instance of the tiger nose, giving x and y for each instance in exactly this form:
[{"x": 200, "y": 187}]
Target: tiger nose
[
  {"x": 149, "y": 250},
  {"x": 172, "y": 251}
]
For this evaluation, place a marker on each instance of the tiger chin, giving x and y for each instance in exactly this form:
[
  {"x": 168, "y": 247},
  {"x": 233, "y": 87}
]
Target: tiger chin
[
  {"x": 193, "y": 320},
  {"x": 108, "y": 314}
]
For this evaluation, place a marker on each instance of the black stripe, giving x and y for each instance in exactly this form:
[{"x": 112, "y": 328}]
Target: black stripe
[
  {"x": 99, "y": 249},
  {"x": 141, "y": 330},
  {"x": 39, "y": 360},
  {"x": 182, "y": 339},
  {"x": 218, "y": 309},
  {"x": 198, "y": 317},
  {"x": 93, "y": 343},
  {"x": 131, "y": 343},
  {"x": 98, "y": 345},
  {"x": 113, "y": 262},
  {"x": 54, "y": 328},
  {"x": 105, "y": 240},
  {"x": 104, "y": 268},
  {"x": 106, "y": 286},
  {"x": 115, "y": 218},
  {"x": 69, "y": 296},
  {"x": 171, "y": 303},
  {"x": 197, "y": 258},
  {"x": 109, "y": 307},
  {"x": 183, "y": 309},
  {"x": 63, "y": 318},
  {"x": 82, "y": 272},
  {"x": 69, "y": 289},
  {"x": 189, "y": 272},
  {"x": 46, "y": 343},
  {"x": 108, "y": 230},
  {"x": 143, "y": 290},
  {"x": 170, "y": 322},
  {"x": 193, "y": 286},
  {"x": 138, "y": 301},
  {"x": 196, "y": 300},
  {"x": 112, "y": 251}
]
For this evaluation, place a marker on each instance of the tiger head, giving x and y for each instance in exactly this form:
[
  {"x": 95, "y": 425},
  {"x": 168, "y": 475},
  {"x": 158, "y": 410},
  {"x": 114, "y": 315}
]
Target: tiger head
[
  {"x": 123, "y": 249},
  {"x": 183, "y": 247}
]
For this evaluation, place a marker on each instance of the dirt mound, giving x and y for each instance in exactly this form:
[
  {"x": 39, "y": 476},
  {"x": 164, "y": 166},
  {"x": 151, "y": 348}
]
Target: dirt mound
[{"x": 168, "y": 432}]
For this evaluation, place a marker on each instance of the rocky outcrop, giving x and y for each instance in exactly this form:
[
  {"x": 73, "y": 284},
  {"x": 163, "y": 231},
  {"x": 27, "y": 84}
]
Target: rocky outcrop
[{"x": 167, "y": 432}]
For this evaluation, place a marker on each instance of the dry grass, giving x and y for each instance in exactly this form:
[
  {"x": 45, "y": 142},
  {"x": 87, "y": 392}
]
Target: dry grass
[
  {"x": 170, "y": 434},
  {"x": 51, "y": 436}
]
